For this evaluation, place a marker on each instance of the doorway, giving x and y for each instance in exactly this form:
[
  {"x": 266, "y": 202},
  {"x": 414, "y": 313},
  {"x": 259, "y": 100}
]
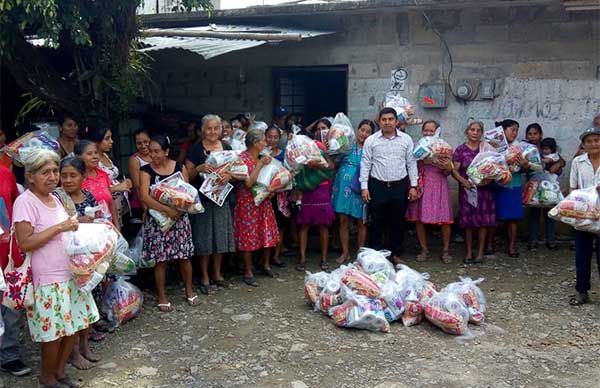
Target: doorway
[{"x": 311, "y": 92}]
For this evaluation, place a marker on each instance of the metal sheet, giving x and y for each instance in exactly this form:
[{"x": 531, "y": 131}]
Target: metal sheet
[{"x": 210, "y": 47}]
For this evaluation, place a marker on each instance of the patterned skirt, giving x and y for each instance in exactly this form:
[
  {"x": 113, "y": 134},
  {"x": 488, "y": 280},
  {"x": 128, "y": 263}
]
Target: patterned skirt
[
  {"x": 175, "y": 244},
  {"x": 60, "y": 310}
]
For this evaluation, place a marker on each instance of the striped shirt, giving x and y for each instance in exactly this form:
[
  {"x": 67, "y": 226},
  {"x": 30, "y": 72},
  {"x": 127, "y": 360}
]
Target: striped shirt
[{"x": 388, "y": 159}]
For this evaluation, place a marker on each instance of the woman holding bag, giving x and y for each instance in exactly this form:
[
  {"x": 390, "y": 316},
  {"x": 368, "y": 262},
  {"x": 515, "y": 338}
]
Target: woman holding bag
[
  {"x": 346, "y": 199},
  {"x": 60, "y": 309},
  {"x": 434, "y": 206},
  {"x": 174, "y": 244}
]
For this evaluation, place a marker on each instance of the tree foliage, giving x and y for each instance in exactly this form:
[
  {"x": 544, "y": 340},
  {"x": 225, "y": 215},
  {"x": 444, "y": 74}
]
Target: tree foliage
[{"x": 89, "y": 63}]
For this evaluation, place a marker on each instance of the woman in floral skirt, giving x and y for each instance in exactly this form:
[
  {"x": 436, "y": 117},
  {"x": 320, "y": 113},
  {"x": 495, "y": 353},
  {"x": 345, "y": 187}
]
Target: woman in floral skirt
[
  {"x": 254, "y": 226},
  {"x": 175, "y": 243},
  {"x": 60, "y": 310}
]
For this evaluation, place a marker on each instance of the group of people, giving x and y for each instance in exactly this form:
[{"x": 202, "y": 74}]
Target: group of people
[{"x": 377, "y": 188}]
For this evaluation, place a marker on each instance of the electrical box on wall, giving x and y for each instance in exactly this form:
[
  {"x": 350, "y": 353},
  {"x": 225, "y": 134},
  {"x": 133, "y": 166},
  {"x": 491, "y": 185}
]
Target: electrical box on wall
[{"x": 432, "y": 95}]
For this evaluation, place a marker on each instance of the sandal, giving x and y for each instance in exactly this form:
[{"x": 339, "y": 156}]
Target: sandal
[
  {"x": 251, "y": 281},
  {"x": 581, "y": 298},
  {"x": 422, "y": 257},
  {"x": 67, "y": 381},
  {"x": 301, "y": 267},
  {"x": 193, "y": 301},
  {"x": 267, "y": 272},
  {"x": 221, "y": 283},
  {"x": 165, "y": 307},
  {"x": 206, "y": 289},
  {"x": 104, "y": 326},
  {"x": 513, "y": 255},
  {"x": 446, "y": 258},
  {"x": 468, "y": 260},
  {"x": 342, "y": 259},
  {"x": 279, "y": 263},
  {"x": 324, "y": 266},
  {"x": 96, "y": 336}
]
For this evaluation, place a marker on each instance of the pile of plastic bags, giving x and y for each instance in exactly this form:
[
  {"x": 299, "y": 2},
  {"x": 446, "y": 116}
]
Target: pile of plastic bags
[
  {"x": 175, "y": 192},
  {"x": 369, "y": 294},
  {"x": 341, "y": 137},
  {"x": 31, "y": 140},
  {"x": 542, "y": 190},
  {"x": 489, "y": 166},
  {"x": 273, "y": 177},
  {"x": 432, "y": 147},
  {"x": 580, "y": 209},
  {"x": 122, "y": 302},
  {"x": 94, "y": 250},
  {"x": 299, "y": 151}
]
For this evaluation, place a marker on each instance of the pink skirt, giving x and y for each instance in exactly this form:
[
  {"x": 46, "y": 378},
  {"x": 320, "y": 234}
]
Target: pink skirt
[{"x": 316, "y": 207}]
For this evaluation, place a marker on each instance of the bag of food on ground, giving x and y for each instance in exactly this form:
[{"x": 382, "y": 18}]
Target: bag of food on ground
[
  {"x": 299, "y": 151},
  {"x": 175, "y": 192},
  {"x": 580, "y": 209},
  {"x": 164, "y": 222},
  {"x": 367, "y": 314},
  {"x": 432, "y": 147},
  {"x": 340, "y": 138},
  {"x": 391, "y": 293},
  {"x": 497, "y": 139},
  {"x": 90, "y": 245},
  {"x": 122, "y": 302},
  {"x": 447, "y": 311},
  {"x": 30, "y": 141},
  {"x": 489, "y": 166},
  {"x": 416, "y": 289},
  {"x": 372, "y": 261},
  {"x": 473, "y": 296},
  {"x": 327, "y": 300},
  {"x": 136, "y": 252},
  {"x": 404, "y": 109},
  {"x": 314, "y": 284},
  {"x": 361, "y": 283}
]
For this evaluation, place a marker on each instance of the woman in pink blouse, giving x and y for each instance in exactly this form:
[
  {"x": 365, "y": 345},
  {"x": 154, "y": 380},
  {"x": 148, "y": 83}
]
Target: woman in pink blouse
[{"x": 96, "y": 180}]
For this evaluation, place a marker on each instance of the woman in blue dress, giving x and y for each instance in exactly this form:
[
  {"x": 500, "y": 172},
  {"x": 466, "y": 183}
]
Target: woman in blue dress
[{"x": 346, "y": 202}]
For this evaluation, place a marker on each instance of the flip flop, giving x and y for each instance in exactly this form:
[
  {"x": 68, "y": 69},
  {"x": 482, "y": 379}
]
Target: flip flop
[
  {"x": 96, "y": 336},
  {"x": 221, "y": 283},
  {"x": 324, "y": 266},
  {"x": 193, "y": 301},
  {"x": 251, "y": 281},
  {"x": 301, "y": 267},
  {"x": 446, "y": 258},
  {"x": 165, "y": 307},
  {"x": 206, "y": 289},
  {"x": 67, "y": 381}
]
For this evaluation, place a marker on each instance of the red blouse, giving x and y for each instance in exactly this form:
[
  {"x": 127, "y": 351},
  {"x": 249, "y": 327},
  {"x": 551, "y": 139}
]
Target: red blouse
[
  {"x": 99, "y": 186},
  {"x": 8, "y": 193}
]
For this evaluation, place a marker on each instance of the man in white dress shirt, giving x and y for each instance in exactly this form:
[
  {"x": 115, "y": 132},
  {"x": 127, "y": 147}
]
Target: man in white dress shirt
[{"x": 388, "y": 179}]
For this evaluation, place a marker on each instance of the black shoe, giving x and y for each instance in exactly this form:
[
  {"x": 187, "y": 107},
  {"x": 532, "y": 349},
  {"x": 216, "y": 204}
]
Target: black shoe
[{"x": 15, "y": 368}]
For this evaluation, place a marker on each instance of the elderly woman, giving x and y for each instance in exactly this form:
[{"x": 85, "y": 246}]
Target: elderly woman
[
  {"x": 212, "y": 230},
  {"x": 60, "y": 309},
  {"x": 97, "y": 180},
  {"x": 478, "y": 218},
  {"x": 584, "y": 171},
  {"x": 255, "y": 226},
  {"x": 175, "y": 243}
]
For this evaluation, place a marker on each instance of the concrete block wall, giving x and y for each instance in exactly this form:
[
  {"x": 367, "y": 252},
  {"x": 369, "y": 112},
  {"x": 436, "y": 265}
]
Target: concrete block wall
[{"x": 544, "y": 60}]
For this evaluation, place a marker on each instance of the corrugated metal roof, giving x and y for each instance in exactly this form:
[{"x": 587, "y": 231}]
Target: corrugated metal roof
[{"x": 211, "y": 47}]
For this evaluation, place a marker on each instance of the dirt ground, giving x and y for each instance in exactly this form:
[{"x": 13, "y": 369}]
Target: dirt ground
[{"x": 270, "y": 337}]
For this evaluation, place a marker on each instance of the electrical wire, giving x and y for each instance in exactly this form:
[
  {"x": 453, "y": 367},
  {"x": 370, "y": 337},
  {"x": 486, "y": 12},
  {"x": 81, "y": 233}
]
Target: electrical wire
[{"x": 445, "y": 44}]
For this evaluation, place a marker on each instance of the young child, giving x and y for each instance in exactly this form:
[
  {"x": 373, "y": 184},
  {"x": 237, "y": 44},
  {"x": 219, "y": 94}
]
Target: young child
[{"x": 550, "y": 157}]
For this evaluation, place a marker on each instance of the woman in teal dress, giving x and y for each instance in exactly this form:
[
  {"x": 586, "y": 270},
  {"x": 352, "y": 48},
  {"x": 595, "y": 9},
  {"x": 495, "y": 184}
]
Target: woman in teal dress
[{"x": 347, "y": 203}]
